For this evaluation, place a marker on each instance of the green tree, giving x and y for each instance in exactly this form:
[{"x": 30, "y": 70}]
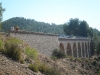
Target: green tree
[
  {"x": 71, "y": 27},
  {"x": 90, "y": 31},
  {"x": 83, "y": 29},
  {"x": 98, "y": 48},
  {"x": 1, "y": 13},
  {"x": 65, "y": 28},
  {"x": 77, "y": 28},
  {"x": 96, "y": 41}
]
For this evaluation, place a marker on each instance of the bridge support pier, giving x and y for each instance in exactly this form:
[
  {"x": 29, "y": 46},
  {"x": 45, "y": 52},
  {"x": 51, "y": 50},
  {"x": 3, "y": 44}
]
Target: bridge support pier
[{"x": 79, "y": 48}]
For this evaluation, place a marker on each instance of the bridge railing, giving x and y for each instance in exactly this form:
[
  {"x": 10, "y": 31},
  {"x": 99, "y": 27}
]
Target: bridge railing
[
  {"x": 31, "y": 32},
  {"x": 75, "y": 37}
]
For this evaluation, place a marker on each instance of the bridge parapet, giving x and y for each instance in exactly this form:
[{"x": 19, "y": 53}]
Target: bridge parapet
[
  {"x": 35, "y": 33},
  {"x": 75, "y": 39}
]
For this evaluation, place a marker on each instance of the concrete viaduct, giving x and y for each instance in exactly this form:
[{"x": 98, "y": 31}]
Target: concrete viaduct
[
  {"x": 46, "y": 43},
  {"x": 77, "y": 47}
]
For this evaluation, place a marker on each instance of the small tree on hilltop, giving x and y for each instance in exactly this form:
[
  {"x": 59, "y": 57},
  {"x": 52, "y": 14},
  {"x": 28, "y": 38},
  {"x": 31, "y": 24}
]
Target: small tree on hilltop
[{"x": 1, "y": 14}]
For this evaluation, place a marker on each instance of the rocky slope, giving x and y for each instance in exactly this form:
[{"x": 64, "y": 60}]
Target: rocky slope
[
  {"x": 10, "y": 67},
  {"x": 67, "y": 66}
]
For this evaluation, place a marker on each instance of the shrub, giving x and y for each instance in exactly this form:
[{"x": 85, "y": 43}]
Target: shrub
[
  {"x": 34, "y": 67},
  {"x": 1, "y": 46},
  {"x": 13, "y": 51},
  {"x": 87, "y": 60},
  {"x": 52, "y": 71},
  {"x": 58, "y": 53},
  {"x": 54, "y": 58},
  {"x": 99, "y": 72},
  {"x": 98, "y": 48},
  {"x": 94, "y": 63},
  {"x": 22, "y": 61},
  {"x": 73, "y": 66},
  {"x": 32, "y": 53},
  {"x": 79, "y": 59},
  {"x": 71, "y": 58},
  {"x": 14, "y": 40},
  {"x": 28, "y": 60},
  {"x": 43, "y": 68}
]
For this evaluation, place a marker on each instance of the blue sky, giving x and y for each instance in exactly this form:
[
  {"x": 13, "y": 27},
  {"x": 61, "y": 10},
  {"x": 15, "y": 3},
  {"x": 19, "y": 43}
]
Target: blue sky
[{"x": 54, "y": 11}]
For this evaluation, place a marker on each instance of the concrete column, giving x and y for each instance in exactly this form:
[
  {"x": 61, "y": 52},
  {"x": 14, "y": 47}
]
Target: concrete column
[
  {"x": 81, "y": 50},
  {"x": 72, "y": 49},
  {"x": 84, "y": 50},
  {"x": 69, "y": 51},
  {"x": 65, "y": 47},
  {"x": 77, "y": 49},
  {"x": 89, "y": 50},
  {"x": 88, "y": 53}
]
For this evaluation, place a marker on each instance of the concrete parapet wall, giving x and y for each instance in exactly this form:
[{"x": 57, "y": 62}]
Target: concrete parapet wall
[{"x": 44, "y": 43}]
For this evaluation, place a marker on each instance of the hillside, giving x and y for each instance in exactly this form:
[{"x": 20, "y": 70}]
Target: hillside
[
  {"x": 32, "y": 25},
  {"x": 10, "y": 65},
  {"x": 67, "y": 66}
]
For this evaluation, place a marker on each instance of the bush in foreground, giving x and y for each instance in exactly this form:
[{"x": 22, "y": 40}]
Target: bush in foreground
[
  {"x": 34, "y": 67},
  {"x": 58, "y": 53},
  {"x": 1, "y": 46},
  {"x": 31, "y": 52},
  {"x": 13, "y": 51},
  {"x": 14, "y": 40},
  {"x": 44, "y": 69}
]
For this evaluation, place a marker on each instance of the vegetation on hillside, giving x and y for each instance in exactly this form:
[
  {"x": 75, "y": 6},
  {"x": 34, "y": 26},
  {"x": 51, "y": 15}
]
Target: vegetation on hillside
[
  {"x": 75, "y": 27},
  {"x": 18, "y": 51},
  {"x": 31, "y": 53},
  {"x": 58, "y": 54},
  {"x": 43, "y": 68},
  {"x": 32, "y": 25},
  {"x": 15, "y": 49},
  {"x": 78, "y": 28}
]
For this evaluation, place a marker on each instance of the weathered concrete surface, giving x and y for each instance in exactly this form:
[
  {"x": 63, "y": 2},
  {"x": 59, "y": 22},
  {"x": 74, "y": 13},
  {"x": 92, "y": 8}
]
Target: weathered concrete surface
[
  {"x": 44, "y": 43},
  {"x": 79, "y": 47}
]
